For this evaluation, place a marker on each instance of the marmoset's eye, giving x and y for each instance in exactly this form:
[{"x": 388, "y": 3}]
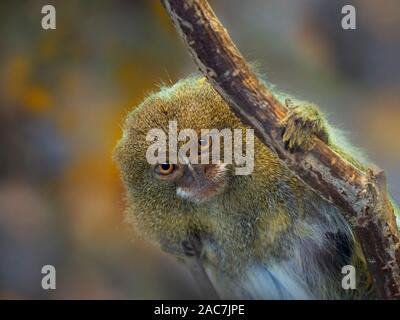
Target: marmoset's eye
[
  {"x": 165, "y": 168},
  {"x": 204, "y": 143}
]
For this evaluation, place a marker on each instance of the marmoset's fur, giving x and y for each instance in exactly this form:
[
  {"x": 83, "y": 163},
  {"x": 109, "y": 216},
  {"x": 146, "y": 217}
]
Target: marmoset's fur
[{"x": 264, "y": 235}]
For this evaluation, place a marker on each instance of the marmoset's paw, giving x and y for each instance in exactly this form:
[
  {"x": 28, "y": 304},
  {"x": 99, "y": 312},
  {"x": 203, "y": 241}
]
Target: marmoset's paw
[{"x": 300, "y": 125}]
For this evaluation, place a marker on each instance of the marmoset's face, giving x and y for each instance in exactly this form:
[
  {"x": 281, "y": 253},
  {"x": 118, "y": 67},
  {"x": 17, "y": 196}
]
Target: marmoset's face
[{"x": 193, "y": 107}]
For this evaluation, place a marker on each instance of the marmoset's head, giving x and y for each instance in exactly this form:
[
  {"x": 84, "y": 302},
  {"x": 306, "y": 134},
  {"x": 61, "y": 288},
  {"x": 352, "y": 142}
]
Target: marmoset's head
[
  {"x": 167, "y": 197},
  {"x": 191, "y": 105}
]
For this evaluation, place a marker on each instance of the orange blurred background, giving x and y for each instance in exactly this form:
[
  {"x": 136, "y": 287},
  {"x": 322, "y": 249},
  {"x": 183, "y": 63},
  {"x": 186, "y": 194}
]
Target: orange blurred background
[{"x": 64, "y": 94}]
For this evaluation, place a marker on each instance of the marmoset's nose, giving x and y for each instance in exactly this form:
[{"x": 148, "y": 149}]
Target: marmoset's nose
[{"x": 191, "y": 173}]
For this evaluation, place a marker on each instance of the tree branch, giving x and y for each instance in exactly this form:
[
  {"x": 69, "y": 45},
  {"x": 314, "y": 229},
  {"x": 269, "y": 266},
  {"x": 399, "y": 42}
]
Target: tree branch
[{"x": 361, "y": 195}]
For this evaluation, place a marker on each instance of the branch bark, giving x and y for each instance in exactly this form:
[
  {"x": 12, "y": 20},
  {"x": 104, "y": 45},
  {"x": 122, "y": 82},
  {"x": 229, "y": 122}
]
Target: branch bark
[{"x": 361, "y": 195}]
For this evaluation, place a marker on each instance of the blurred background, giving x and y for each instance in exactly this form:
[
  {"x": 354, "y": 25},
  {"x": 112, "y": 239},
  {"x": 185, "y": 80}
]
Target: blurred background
[{"x": 64, "y": 94}]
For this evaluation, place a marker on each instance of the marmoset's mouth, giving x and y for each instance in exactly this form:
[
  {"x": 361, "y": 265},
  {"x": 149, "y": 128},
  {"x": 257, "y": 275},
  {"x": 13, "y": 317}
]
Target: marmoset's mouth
[{"x": 200, "y": 183}]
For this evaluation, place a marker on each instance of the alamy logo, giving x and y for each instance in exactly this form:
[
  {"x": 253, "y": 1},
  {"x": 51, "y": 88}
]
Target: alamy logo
[
  {"x": 349, "y": 280},
  {"x": 49, "y": 20},
  {"x": 49, "y": 280},
  {"x": 195, "y": 149},
  {"x": 349, "y": 20}
]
